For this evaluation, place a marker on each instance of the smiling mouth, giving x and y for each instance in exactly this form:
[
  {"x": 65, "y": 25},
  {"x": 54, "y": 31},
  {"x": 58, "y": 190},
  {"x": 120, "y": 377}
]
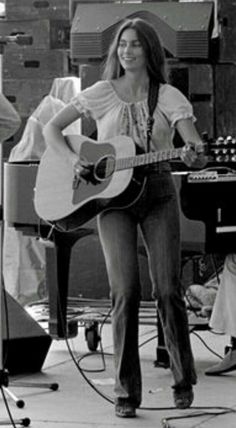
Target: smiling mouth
[{"x": 128, "y": 59}]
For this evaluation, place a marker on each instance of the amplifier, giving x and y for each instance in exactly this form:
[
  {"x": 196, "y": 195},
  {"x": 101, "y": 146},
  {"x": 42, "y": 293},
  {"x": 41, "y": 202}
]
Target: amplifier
[
  {"x": 207, "y": 196},
  {"x": 210, "y": 175}
]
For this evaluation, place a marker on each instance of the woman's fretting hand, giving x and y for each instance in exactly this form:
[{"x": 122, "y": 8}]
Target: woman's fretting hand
[{"x": 193, "y": 155}]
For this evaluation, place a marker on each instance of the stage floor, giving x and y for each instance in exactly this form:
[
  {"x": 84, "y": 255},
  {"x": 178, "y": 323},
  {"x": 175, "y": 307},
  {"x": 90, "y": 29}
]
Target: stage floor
[{"x": 85, "y": 403}]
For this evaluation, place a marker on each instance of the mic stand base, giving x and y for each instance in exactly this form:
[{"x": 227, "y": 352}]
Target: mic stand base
[
  {"x": 20, "y": 403},
  {"x": 23, "y": 422}
]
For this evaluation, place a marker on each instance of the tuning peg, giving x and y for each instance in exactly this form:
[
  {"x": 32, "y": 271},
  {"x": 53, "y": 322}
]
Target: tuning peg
[
  {"x": 205, "y": 136},
  {"x": 220, "y": 140}
]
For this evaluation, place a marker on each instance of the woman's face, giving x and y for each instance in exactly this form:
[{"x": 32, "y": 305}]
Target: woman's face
[{"x": 130, "y": 51}]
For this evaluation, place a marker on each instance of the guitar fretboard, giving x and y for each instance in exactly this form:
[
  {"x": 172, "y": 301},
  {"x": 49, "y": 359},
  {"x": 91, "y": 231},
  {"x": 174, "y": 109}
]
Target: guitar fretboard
[{"x": 147, "y": 158}]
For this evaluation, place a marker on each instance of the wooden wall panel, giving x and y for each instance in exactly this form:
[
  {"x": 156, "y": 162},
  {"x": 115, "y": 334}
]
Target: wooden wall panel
[
  {"x": 30, "y": 9},
  {"x": 196, "y": 81},
  {"x": 35, "y": 64},
  {"x": 26, "y": 94},
  {"x": 225, "y": 99},
  {"x": 227, "y": 34},
  {"x": 45, "y": 33}
]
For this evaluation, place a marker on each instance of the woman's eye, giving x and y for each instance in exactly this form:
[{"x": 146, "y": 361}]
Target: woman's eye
[{"x": 133, "y": 45}]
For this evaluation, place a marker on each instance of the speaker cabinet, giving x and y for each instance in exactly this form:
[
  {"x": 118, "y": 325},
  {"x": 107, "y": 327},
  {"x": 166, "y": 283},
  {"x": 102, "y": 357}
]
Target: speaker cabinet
[
  {"x": 226, "y": 14},
  {"x": 25, "y": 343}
]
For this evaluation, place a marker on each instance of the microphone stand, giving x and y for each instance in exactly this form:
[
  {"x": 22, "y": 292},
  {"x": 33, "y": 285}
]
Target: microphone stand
[
  {"x": 3, "y": 371},
  {"x": 21, "y": 39}
]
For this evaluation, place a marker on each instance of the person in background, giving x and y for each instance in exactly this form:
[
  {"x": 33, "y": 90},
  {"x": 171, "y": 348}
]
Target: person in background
[
  {"x": 120, "y": 105},
  {"x": 24, "y": 259},
  {"x": 9, "y": 119},
  {"x": 223, "y": 317}
]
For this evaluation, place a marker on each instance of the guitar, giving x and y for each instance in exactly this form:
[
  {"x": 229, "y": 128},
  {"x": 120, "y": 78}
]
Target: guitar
[{"x": 60, "y": 197}]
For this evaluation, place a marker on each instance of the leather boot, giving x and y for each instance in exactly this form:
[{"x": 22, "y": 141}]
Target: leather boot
[{"x": 226, "y": 365}]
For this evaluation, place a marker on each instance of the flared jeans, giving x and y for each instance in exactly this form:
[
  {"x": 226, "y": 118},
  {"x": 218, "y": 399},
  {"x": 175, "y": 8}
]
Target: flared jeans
[{"x": 156, "y": 215}]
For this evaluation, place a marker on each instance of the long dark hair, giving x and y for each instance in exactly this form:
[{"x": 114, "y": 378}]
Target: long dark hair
[{"x": 151, "y": 44}]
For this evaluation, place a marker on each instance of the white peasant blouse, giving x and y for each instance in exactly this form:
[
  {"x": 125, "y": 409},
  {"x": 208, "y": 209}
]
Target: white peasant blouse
[{"x": 114, "y": 116}]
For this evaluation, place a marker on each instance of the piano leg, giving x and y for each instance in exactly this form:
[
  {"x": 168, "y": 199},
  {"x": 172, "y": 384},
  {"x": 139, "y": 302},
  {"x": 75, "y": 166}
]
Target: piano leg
[
  {"x": 58, "y": 254},
  {"x": 162, "y": 359}
]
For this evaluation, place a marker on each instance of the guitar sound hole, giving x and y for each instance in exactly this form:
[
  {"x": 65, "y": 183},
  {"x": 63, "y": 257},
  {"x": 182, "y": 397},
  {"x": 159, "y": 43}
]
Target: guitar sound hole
[{"x": 104, "y": 168}]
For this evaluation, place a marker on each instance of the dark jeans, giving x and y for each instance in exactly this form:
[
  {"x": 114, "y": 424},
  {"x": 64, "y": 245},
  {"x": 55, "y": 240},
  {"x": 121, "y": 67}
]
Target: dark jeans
[{"x": 156, "y": 213}]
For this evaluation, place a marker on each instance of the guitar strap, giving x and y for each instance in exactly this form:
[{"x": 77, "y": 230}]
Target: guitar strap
[{"x": 152, "y": 102}]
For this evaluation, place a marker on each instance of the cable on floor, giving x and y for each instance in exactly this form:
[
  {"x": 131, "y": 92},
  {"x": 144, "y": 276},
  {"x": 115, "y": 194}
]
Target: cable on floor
[
  {"x": 165, "y": 420},
  {"x": 223, "y": 411},
  {"x": 206, "y": 346}
]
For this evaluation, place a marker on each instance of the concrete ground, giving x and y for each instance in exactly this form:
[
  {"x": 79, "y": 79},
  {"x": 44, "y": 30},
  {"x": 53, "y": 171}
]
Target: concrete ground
[{"x": 83, "y": 403}]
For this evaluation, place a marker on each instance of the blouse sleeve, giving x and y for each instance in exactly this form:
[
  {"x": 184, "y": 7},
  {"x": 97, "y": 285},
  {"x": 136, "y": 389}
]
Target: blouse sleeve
[
  {"x": 174, "y": 104},
  {"x": 95, "y": 100}
]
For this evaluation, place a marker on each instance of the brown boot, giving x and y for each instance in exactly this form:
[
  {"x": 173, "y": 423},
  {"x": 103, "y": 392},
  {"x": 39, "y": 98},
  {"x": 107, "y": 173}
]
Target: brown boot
[
  {"x": 183, "y": 398},
  {"x": 125, "y": 410},
  {"x": 226, "y": 365}
]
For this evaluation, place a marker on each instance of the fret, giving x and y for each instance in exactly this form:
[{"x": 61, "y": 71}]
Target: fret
[
  {"x": 147, "y": 158},
  {"x": 140, "y": 160}
]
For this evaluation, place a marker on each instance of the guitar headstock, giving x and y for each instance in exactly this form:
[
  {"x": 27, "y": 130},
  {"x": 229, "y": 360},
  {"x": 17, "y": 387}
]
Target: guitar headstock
[{"x": 223, "y": 149}]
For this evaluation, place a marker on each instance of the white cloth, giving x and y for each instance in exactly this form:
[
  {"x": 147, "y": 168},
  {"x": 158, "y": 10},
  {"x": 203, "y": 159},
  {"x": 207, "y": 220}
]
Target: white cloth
[
  {"x": 32, "y": 144},
  {"x": 65, "y": 88},
  {"x": 223, "y": 318},
  {"x": 24, "y": 256},
  {"x": 23, "y": 266}
]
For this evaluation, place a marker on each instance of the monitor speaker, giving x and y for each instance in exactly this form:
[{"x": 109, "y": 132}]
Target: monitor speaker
[{"x": 25, "y": 344}]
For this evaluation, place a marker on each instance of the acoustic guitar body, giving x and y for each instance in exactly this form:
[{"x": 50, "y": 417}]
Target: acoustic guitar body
[{"x": 58, "y": 200}]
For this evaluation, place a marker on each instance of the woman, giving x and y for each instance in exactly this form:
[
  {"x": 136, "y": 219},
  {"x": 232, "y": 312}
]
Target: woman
[{"x": 119, "y": 104}]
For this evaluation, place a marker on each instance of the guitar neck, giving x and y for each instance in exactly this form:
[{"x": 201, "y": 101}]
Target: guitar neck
[{"x": 147, "y": 158}]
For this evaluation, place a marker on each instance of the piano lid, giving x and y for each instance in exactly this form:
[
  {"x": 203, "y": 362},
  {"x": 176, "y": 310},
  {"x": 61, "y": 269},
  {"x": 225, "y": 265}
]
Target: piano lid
[{"x": 185, "y": 28}]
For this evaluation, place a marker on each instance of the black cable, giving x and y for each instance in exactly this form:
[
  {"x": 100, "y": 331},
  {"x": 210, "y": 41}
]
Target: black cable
[
  {"x": 165, "y": 421},
  {"x": 148, "y": 340},
  {"x": 191, "y": 307},
  {"x": 7, "y": 407},
  {"x": 6, "y": 320},
  {"x": 195, "y": 311},
  {"x": 85, "y": 377},
  {"x": 89, "y": 354},
  {"x": 107, "y": 398},
  {"x": 102, "y": 353},
  {"x": 224, "y": 410},
  {"x": 217, "y": 271},
  {"x": 4, "y": 357},
  {"x": 207, "y": 347}
]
